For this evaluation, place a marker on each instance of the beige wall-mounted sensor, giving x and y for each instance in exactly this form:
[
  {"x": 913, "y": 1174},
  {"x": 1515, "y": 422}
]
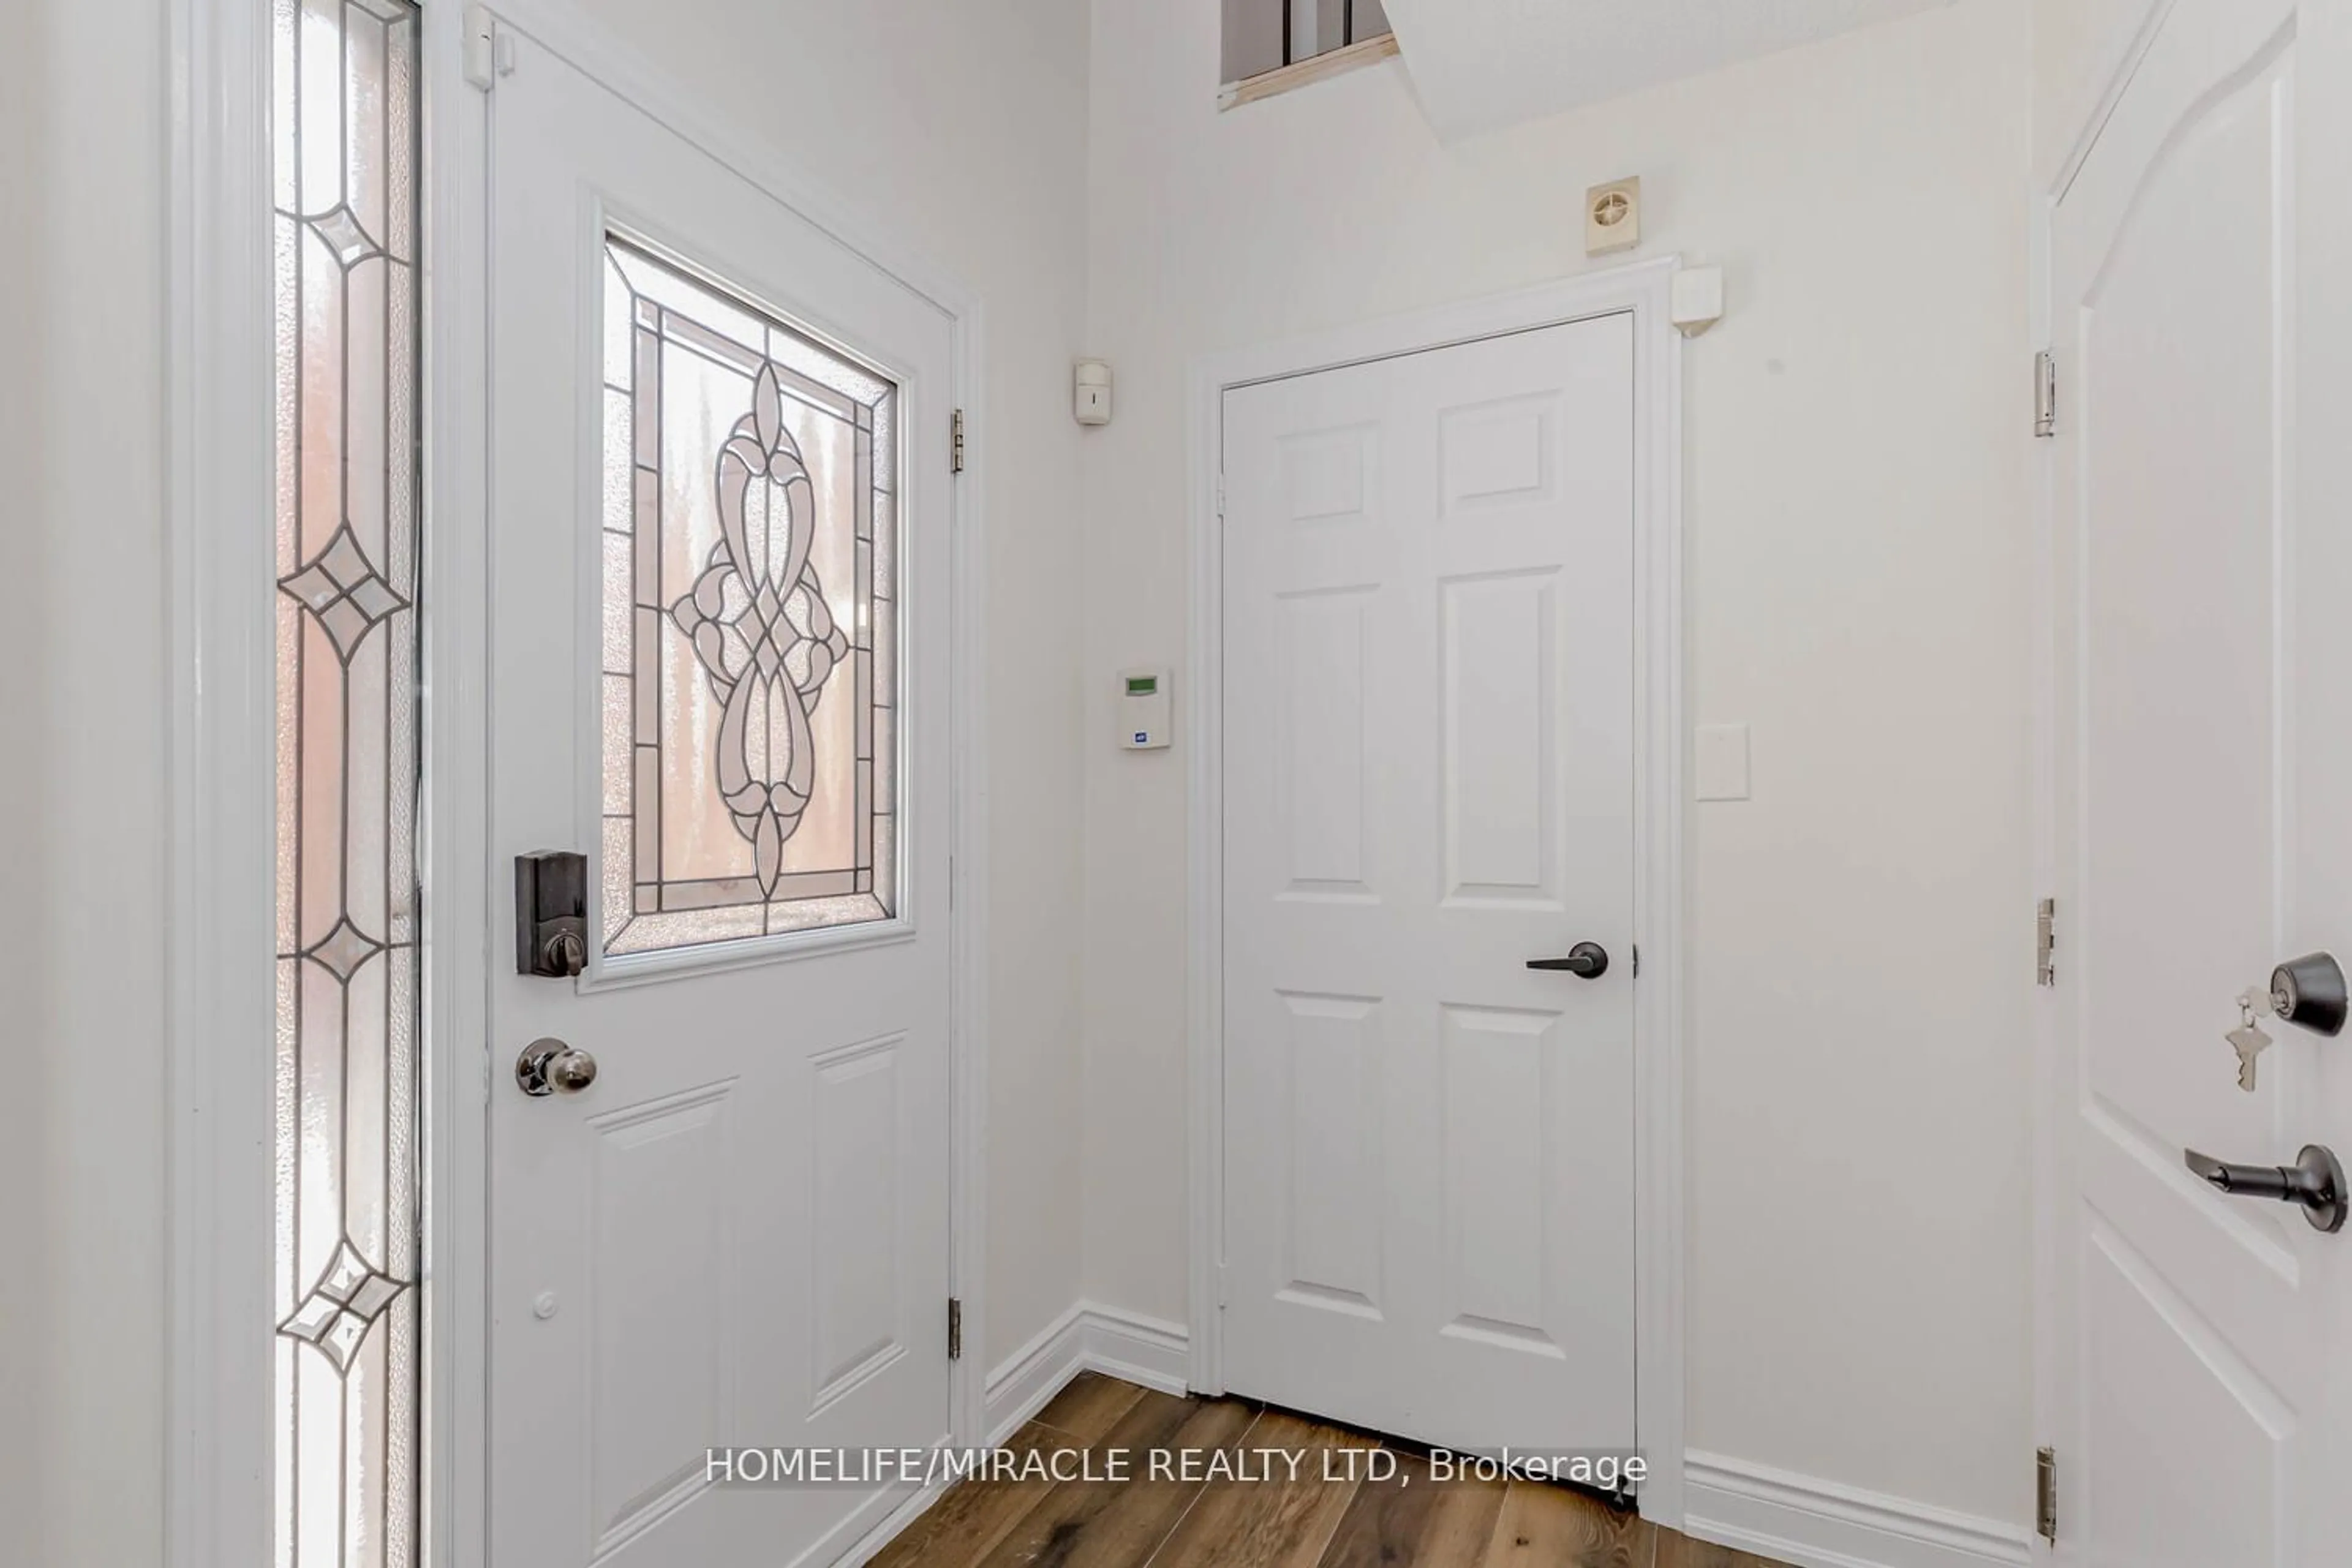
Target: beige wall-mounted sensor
[
  {"x": 1612, "y": 216},
  {"x": 1091, "y": 393}
]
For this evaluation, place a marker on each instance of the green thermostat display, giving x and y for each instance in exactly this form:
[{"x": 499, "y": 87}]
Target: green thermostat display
[{"x": 1143, "y": 708}]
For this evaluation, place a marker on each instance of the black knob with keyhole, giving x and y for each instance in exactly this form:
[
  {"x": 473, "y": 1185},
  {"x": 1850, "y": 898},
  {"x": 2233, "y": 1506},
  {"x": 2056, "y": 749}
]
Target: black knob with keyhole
[{"x": 2308, "y": 991}]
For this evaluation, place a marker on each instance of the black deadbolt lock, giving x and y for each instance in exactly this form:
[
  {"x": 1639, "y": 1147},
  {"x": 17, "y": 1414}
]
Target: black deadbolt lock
[
  {"x": 552, "y": 913},
  {"x": 2308, "y": 991}
]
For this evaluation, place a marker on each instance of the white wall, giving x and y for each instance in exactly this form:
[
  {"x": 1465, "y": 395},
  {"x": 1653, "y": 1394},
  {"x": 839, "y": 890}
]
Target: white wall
[
  {"x": 959, "y": 124},
  {"x": 1857, "y": 538},
  {"x": 83, "y": 1183}
]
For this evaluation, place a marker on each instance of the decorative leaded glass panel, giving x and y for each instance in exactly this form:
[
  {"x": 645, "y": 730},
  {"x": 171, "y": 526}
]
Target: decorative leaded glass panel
[
  {"x": 749, "y": 624},
  {"x": 345, "y": 136}
]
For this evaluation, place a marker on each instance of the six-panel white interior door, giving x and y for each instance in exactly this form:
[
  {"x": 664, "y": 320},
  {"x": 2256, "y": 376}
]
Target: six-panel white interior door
[
  {"x": 720, "y": 473},
  {"x": 1429, "y": 782}
]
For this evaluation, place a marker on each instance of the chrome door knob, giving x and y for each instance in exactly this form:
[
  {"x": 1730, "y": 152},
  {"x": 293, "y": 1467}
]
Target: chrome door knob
[{"x": 549, "y": 1067}]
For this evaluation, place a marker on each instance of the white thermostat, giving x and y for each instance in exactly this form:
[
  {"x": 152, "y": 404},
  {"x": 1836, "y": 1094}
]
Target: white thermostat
[{"x": 1143, "y": 709}]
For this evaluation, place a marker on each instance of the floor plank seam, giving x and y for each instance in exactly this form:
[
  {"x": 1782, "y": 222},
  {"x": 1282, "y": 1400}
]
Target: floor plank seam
[
  {"x": 1338, "y": 1517},
  {"x": 1199, "y": 1493}
]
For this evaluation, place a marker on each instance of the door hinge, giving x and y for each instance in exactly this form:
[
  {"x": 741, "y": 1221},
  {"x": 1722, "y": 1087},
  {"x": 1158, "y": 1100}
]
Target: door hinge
[
  {"x": 2045, "y": 394},
  {"x": 1221, "y": 495},
  {"x": 2045, "y": 1495},
  {"x": 955, "y": 1328},
  {"x": 955, "y": 443},
  {"x": 2045, "y": 942}
]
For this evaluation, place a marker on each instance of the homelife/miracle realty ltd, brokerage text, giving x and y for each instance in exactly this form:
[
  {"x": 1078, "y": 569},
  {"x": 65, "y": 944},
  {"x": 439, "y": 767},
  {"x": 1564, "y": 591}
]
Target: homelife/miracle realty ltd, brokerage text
[{"x": 769, "y": 1466}]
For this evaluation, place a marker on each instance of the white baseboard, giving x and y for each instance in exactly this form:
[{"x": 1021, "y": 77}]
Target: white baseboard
[
  {"x": 1019, "y": 1386},
  {"x": 1820, "y": 1524},
  {"x": 1086, "y": 1338},
  {"x": 1153, "y": 1351}
]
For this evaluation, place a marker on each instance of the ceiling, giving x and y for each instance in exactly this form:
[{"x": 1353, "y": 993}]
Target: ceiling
[{"x": 1480, "y": 65}]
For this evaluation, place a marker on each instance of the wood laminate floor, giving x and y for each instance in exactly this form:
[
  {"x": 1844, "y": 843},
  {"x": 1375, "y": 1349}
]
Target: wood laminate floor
[{"x": 1408, "y": 1521}]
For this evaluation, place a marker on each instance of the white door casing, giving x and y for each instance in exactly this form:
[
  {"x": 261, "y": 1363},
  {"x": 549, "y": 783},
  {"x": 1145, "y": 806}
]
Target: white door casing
[
  {"x": 1429, "y": 743},
  {"x": 2195, "y": 1346},
  {"x": 739, "y": 1233}
]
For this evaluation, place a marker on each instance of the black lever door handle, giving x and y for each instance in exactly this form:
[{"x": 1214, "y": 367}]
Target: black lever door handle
[
  {"x": 2315, "y": 1180},
  {"x": 1589, "y": 959}
]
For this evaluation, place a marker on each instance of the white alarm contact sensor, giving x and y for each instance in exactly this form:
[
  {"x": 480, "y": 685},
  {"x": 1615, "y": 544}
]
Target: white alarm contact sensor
[{"x": 1091, "y": 393}]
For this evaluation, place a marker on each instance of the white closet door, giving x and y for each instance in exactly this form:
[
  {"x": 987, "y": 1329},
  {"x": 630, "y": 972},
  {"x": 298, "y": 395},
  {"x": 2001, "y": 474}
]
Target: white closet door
[{"x": 1429, "y": 782}]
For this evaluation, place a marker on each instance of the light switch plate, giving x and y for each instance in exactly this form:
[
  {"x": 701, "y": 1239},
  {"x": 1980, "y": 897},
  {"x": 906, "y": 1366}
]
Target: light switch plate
[{"x": 1720, "y": 761}]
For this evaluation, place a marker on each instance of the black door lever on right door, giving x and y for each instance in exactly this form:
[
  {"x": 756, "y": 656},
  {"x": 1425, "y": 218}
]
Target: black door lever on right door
[
  {"x": 1588, "y": 959},
  {"x": 2315, "y": 1180}
]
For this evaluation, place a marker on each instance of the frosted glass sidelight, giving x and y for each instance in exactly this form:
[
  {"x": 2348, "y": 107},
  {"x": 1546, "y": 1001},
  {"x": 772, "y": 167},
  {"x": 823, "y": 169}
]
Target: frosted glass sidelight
[
  {"x": 344, "y": 156},
  {"x": 749, "y": 687}
]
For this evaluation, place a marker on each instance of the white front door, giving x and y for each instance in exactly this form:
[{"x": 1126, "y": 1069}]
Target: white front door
[
  {"x": 2198, "y": 1343},
  {"x": 718, "y": 470},
  {"x": 1428, "y": 783}
]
